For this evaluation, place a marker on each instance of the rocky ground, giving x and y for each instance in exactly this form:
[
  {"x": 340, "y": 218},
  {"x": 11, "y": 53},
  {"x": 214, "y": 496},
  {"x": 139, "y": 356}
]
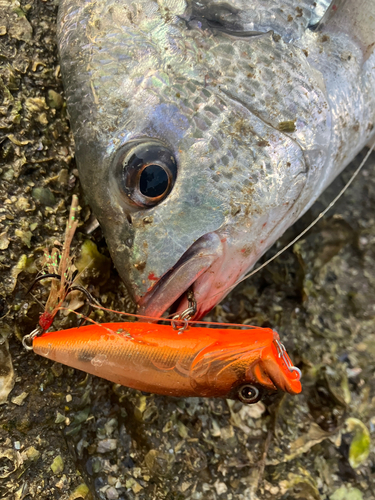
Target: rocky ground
[{"x": 66, "y": 435}]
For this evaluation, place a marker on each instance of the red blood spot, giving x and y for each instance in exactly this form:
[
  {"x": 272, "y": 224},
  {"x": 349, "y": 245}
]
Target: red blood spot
[
  {"x": 152, "y": 277},
  {"x": 223, "y": 240},
  {"x": 334, "y": 7},
  {"x": 45, "y": 320},
  {"x": 243, "y": 250},
  {"x": 264, "y": 225}
]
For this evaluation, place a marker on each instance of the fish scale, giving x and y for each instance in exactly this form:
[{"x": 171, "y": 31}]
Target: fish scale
[{"x": 258, "y": 111}]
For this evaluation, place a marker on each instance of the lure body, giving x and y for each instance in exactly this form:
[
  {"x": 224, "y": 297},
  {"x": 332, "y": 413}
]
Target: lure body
[{"x": 155, "y": 358}]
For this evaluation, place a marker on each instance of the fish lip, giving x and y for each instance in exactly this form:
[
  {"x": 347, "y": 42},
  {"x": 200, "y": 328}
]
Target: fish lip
[{"x": 197, "y": 259}]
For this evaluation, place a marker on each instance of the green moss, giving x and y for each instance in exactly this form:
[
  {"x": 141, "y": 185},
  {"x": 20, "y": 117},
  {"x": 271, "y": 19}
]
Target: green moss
[
  {"x": 92, "y": 264},
  {"x": 360, "y": 446},
  {"x": 344, "y": 493}
]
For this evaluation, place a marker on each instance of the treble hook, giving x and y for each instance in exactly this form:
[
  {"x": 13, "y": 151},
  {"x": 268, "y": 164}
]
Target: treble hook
[
  {"x": 186, "y": 315},
  {"x": 69, "y": 287},
  {"x": 43, "y": 277}
]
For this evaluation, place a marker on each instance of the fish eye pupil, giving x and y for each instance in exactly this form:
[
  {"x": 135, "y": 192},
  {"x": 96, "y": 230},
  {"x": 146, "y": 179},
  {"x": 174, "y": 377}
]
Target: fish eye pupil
[{"x": 153, "y": 181}]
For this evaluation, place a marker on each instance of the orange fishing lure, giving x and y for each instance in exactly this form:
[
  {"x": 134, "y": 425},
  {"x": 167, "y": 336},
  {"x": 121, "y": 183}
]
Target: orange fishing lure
[{"x": 208, "y": 362}]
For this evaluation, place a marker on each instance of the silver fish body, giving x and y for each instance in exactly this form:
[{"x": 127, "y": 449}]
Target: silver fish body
[{"x": 203, "y": 130}]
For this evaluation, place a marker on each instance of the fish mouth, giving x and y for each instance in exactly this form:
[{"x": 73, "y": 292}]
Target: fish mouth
[{"x": 192, "y": 271}]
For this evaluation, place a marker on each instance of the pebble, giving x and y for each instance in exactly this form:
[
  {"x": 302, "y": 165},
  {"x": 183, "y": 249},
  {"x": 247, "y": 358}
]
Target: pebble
[
  {"x": 110, "y": 426},
  {"x": 18, "y": 400},
  {"x": 185, "y": 486},
  {"x": 252, "y": 411},
  {"x": 44, "y": 196},
  {"x": 182, "y": 430},
  {"x": 57, "y": 465},
  {"x": 227, "y": 432},
  {"x": 4, "y": 241},
  {"x": 106, "y": 445},
  {"x": 57, "y": 369},
  {"x": 54, "y": 100},
  {"x": 59, "y": 418},
  {"x": 136, "y": 487},
  {"x": 30, "y": 453},
  {"x": 112, "y": 493},
  {"x": 215, "y": 430},
  {"x": 61, "y": 484},
  {"x": 22, "y": 203},
  {"x": 36, "y": 104},
  {"x": 220, "y": 488}
]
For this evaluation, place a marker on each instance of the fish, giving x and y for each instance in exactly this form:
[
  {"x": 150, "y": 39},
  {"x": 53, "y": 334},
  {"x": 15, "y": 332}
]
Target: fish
[
  {"x": 247, "y": 364},
  {"x": 204, "y": 129}
]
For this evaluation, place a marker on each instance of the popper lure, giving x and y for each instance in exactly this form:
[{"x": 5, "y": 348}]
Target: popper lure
[
  {"x": 207, "y": 362},
  {"x": 176, "y": 359}
]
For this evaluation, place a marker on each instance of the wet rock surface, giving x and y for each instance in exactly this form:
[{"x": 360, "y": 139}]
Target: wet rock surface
[{"x": 67, "y": 435}]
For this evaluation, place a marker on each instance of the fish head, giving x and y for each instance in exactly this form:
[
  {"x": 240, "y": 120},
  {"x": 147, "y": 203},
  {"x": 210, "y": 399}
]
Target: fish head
[
  {"x": 193, "y": 144},
  {"x": 249, "y": 366}
]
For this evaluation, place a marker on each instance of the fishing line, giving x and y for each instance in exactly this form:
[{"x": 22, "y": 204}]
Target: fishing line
[
  {"x": 170, "y": 320},
  {"x": 95, "y": 304},
  {"x": 315, "y": 221}
]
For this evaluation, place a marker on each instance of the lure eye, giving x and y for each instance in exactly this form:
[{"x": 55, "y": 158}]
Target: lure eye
[
  {"x": 249, "y": 394},
  {"x": 148, "y": 172}
]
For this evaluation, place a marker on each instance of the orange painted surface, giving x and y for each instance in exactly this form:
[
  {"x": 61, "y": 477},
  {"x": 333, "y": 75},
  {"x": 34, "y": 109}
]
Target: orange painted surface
[{"x": 155, "y": 358}]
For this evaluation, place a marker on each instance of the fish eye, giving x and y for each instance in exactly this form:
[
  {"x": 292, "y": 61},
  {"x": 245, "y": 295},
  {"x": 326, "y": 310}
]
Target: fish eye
[
  {"x": 148, "y": 172},
  {"x": 249, "y": 394}
]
